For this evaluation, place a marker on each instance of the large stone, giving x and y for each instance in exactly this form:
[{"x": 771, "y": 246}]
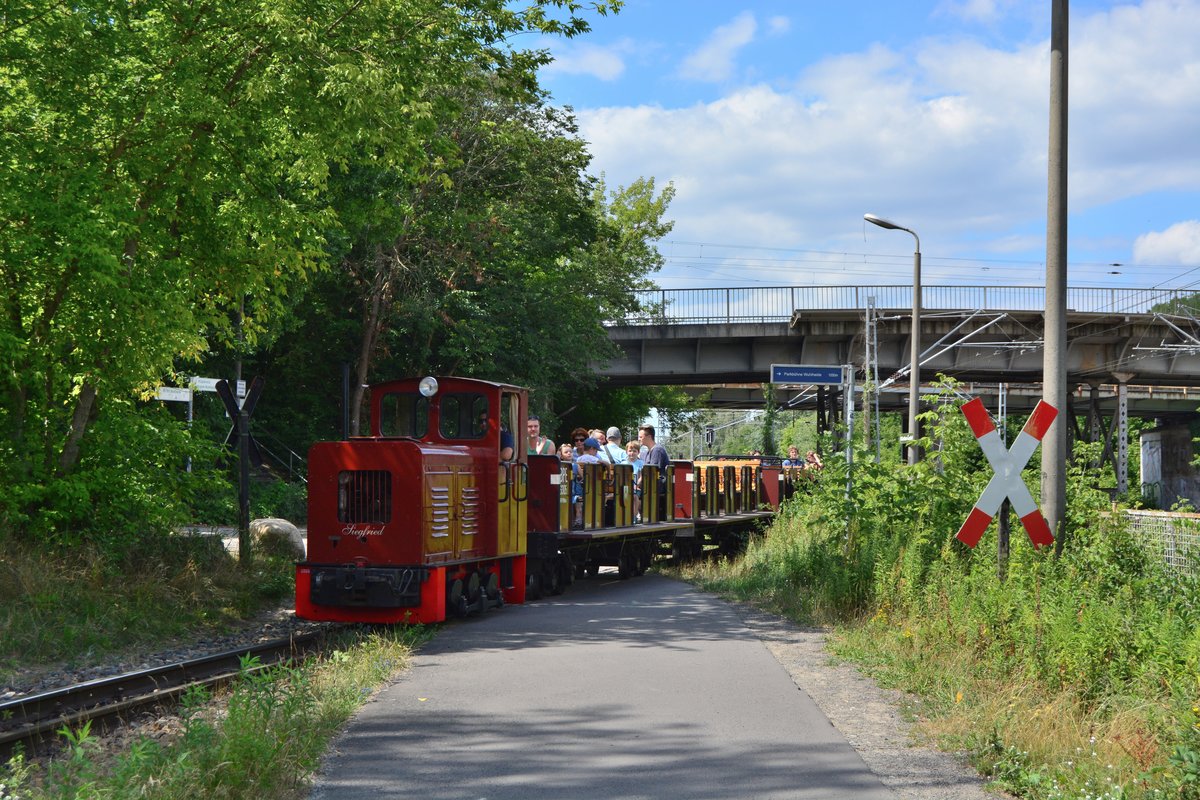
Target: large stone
[{"x": 277, "y": 537}]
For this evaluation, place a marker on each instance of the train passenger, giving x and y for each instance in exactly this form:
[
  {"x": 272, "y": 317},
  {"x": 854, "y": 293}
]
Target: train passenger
[
  {"x": 598, "y": 435},
  {"x": 590, "y": 449},
  {"x": 591, "y": 452},
  {"x": 538, "y": 445},
  {"x": 507, "y": 452},
  {"x": 577, "y": 437},
  {"x": 793, "y": 459},
  {"x": 813, "y": 463},
  {"x": 656, "y": 454},
  {"x": 612, "y": 446},
  {"x": 633, "y": 453},
  {"x": 571, "y": 458},
  {"x": 506, "y": 438}
]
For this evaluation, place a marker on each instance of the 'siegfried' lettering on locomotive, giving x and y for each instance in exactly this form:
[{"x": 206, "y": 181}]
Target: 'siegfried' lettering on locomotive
[{"x": 362, "y": 530}]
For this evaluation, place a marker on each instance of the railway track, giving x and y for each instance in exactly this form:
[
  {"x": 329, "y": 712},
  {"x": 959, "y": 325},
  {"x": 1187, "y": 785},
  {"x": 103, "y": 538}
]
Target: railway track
[{"x": 31, "y": 720}]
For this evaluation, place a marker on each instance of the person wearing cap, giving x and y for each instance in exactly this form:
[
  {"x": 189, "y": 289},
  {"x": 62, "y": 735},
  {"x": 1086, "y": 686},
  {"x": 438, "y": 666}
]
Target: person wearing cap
[
  {"x": 612, "y": 447},
  {"x": 601, "y": 453},
  {"x": 590, "y": 448}
]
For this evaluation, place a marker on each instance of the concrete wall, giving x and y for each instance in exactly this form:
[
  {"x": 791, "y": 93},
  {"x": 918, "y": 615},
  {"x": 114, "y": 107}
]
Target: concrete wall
[{"x": 1167, "y": 472}]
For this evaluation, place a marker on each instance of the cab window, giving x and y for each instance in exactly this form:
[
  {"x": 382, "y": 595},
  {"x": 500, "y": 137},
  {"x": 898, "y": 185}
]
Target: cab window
[
  {"x": 404, "y": 414},
  {"x": 463, "y": 416}
]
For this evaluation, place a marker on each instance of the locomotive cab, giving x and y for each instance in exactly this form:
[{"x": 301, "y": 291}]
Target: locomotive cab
[{"x": 425, "y": 517}]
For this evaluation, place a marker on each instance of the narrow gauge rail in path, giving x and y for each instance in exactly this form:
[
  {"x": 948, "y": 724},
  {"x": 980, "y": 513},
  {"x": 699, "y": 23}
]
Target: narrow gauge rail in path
[{"x": 29, "y": 720}]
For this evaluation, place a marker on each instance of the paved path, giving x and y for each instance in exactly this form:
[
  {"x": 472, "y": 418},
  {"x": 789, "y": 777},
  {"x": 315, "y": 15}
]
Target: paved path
[{"x": 617, "y": 690}]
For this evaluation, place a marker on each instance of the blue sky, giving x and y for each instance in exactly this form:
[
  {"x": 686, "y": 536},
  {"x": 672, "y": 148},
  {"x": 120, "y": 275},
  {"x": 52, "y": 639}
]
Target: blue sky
[{"x": 781, "y": 123}]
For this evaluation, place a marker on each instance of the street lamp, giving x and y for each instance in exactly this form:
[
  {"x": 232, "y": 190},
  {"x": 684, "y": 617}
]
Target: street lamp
[{"x": 914, "y": 372}]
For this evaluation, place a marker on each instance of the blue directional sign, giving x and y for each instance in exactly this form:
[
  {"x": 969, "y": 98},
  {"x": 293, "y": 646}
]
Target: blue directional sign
[{"x": 808, "y": 374}]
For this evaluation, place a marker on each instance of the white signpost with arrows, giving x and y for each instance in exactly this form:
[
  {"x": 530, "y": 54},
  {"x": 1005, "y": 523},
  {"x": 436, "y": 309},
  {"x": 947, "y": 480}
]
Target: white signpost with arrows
[{"x": 1006, "y": 482}]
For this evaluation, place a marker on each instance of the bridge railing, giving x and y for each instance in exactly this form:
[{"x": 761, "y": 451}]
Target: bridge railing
[{"x": 776, "y": 303}]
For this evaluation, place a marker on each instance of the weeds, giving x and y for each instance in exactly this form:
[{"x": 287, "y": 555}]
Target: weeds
[
  {"x": 79, "y": 605},
  {"x": 266, "y": 741},
  {"x": 1073, "y": 676}
]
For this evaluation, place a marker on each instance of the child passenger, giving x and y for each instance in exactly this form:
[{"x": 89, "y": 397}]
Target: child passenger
[{"x": 634, "y": 451}]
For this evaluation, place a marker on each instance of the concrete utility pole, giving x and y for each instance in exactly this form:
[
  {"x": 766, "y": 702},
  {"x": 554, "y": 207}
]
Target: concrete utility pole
[{"x": 1054, "y": 367}]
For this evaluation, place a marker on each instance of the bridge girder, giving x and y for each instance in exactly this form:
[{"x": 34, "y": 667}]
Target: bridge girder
[{"x": 735, "y": 358}]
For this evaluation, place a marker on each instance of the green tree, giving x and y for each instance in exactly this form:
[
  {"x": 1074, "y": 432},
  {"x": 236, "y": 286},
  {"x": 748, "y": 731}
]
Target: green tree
[
  {"x": 770, "y": 414},
  {"x": 502, "y": 259},
  {"x": 165, "y": 161}
]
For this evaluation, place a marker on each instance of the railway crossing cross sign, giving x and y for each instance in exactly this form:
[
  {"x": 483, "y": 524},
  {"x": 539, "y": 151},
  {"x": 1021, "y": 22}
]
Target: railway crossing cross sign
[{"x": 1006, "y": 482}]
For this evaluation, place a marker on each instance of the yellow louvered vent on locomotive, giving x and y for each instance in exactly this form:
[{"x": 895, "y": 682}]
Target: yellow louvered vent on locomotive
[
  {"x": 440, "y": 509},
  {"x": 470, "y": 509}
]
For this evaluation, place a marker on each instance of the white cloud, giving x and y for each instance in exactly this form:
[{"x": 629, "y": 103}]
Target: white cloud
[
  {"x": 713, "y": 61},
  {"x": 950, "y": 138},
  {"x": 985, "y": 11},
  {"x": 777, "y": 26},
  {"x": 1135, "y": 99},
  {"x": 1178, "y": 244},
  {"x": 604, "y": 63}
]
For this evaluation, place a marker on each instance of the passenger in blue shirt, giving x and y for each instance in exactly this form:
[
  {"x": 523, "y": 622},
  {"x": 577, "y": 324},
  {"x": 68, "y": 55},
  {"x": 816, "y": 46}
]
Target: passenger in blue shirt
[
  {"x": 634, "y": 451},
  {"x": 506, "y": 445},
  {"x": 590, "y": 448}
]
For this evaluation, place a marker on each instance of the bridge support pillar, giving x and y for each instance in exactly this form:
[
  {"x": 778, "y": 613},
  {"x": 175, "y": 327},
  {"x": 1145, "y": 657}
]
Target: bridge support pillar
[
  {"x": 1122, "y": 431},
  {"x": 828, "y": 413},
  {"x": 1095, "y": 424}
]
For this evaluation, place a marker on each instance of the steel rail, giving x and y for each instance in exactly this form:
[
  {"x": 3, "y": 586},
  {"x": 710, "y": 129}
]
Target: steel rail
[{"x": 27, "y": 721}]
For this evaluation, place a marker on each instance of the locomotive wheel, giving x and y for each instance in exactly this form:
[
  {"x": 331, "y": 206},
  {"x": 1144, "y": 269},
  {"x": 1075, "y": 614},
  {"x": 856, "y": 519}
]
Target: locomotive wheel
[
  {"x": 624, "y": 568},
  {"x": 641, "y": 560},
  {"x": 493, "y": 597},
  {"x": 593, "y": 569},
  {"x": 533, "y": 586},
  {"x": 475, "y": 597},
  {"x": 456, "y": 603},
  {"x": 554, "y": 581}
]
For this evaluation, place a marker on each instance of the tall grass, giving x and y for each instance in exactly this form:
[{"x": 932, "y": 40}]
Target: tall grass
[
  {"x": 1075, "y": 675},
  {"x": 264, "y": 741},
  {"x": 79, "y": 604}
]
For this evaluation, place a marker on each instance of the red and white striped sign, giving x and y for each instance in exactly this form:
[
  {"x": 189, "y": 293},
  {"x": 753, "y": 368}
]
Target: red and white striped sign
[{"x": 1006, "y": 482}]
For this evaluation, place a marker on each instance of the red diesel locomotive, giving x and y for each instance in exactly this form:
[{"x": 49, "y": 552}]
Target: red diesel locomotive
[{"x": 424, "y": 519}]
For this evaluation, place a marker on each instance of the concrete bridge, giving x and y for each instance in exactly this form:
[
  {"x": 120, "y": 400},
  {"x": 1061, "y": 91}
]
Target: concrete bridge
[{"x": 723, "y": 341}]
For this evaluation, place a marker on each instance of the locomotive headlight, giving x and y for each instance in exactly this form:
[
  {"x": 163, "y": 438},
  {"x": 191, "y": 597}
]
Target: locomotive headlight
[{"x": 428, "y": 387}]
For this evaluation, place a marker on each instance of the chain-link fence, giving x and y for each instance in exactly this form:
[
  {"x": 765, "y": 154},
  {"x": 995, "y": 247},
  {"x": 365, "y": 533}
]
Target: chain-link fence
[{"x": 1174, "y": 537}]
